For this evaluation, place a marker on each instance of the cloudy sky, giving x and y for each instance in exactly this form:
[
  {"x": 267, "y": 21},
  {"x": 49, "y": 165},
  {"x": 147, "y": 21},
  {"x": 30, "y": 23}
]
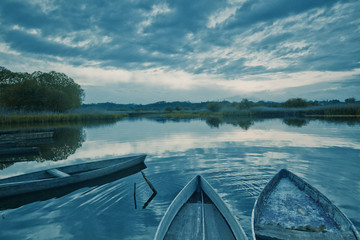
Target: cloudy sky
[{"x": 138, "y": 51}]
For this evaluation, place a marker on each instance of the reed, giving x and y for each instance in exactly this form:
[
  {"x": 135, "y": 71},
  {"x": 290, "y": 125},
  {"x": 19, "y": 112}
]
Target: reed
[{"x": 42, "y": 118}]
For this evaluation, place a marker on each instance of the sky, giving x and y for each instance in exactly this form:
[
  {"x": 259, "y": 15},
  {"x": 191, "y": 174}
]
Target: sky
[{"x": 138, "y": 51}]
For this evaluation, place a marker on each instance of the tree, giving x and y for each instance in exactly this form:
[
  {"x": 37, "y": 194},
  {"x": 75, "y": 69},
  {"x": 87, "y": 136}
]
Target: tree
[
  {"x": 295, "y": 102},
  {"x": 214, "y": 106},
  {"x": 350, "y": 100},
  {"x": 39, "y": 91},
  {"x": 245, "y": 103}
]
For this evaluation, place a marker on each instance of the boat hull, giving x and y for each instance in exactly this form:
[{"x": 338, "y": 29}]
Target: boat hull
[
  {"x": 290, "y": 208},
  {"x": 181, "y": 220},
  {"x": 43, "y": 180}
]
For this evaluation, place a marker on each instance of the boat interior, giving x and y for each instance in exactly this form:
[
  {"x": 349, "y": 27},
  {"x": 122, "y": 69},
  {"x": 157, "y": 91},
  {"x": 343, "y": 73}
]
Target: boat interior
[{"x": 199, "y": 218}]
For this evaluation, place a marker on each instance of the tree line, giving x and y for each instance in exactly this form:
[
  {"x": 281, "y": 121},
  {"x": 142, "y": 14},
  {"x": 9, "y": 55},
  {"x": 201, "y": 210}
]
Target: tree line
[{"x": 52, "y": 91}]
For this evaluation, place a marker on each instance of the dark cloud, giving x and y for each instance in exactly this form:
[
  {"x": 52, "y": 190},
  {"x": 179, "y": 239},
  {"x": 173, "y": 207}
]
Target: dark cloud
[
  {"x": 24, "y": 14},
  {"x": 254, "y": 37},
  {"x": 159, "y": 33},
  {"x": 268, "y": 11}
]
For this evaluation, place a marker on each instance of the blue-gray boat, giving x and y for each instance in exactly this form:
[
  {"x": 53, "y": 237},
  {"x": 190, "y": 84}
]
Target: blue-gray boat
[
  {"x": 290, "y": 208},
  {"x": 66, "y": 175}
]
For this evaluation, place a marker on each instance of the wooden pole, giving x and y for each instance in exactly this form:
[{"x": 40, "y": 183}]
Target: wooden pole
[
  {"x": 148, "y": 182},
  {"x": 135, "y": 195}
]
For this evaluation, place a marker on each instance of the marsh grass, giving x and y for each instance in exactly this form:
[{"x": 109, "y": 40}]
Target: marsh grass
[{"x": 43, "y": 118}]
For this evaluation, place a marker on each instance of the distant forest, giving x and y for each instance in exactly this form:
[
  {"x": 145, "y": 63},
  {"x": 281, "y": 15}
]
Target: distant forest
[{"x": 216, "y": 106}]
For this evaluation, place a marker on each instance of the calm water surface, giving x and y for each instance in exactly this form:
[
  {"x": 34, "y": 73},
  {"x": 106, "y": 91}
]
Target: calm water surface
[{"x": 236, "y": 161}]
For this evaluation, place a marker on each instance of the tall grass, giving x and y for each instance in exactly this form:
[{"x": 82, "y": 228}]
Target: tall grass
[{"x": 41, "y": 118}]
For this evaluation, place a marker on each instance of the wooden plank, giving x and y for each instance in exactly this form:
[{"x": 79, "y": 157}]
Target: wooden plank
[
  {"x": 178, "y": 221},
  {"x": 187, "y": 224},
  {"x": 26, "y": 136},
  {"x": 175, "y": 207},
  {"x": 57, "y": 173},
  {"x": 223, "y": 208},
  {"x": 215, "y": 224}
]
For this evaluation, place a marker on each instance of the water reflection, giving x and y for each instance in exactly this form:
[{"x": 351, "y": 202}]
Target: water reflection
[
  {"x": 296, "y": 122},
  {"x": 237, "y": 161},
  {"x": 63, "y": 143},
  {"x": 247, "y": 122}
]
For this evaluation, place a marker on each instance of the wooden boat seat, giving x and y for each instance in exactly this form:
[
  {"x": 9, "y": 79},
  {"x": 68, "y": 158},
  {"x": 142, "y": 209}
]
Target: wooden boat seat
[{"x": 57, "y": 173}]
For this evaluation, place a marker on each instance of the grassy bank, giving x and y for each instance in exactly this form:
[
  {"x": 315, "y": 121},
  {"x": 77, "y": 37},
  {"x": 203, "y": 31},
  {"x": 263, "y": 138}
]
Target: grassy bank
[
  {"x": 344, "y": 111},
  {"x": 43, "y": 118}
]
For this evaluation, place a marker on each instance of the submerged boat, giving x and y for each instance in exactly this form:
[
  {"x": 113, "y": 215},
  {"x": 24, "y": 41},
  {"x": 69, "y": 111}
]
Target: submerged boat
[
  {"x": 198, "y": 212},
  {"x": 64, "y": 176},
  {"x": 290, "y": 208}
]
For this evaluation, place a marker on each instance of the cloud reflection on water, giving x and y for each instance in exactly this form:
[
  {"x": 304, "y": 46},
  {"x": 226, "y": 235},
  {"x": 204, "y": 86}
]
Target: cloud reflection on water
[{"x": 164, "y": 144}]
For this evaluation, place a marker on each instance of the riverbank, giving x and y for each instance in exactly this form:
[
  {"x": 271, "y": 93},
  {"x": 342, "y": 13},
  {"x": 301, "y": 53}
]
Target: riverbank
[{"x": 44, "y": 118}]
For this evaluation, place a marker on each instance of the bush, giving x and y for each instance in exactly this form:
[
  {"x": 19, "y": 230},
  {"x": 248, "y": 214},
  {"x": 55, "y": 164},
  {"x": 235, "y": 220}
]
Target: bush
[
  {"x": 214, "y": 106},
  {"x": 169, "y": 109}
]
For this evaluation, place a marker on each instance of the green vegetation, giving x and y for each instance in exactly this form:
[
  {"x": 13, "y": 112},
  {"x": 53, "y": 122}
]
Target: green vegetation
[
  {"x": 39, "y": 91},
  {"x": 296, "y": 103},
  {"x": 214, "y": 106},
  {"x": 42, "y": 118}
]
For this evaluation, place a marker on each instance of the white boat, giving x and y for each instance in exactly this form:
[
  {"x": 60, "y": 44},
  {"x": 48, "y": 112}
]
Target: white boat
[{"x": 198, "y": 212}]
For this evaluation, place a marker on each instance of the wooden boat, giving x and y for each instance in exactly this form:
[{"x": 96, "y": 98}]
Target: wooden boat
[
  {"x": 290, "y": 208},
  {"x": 23, "y": 199},
  {"x": 25, "y": 136},
  {"x": 198, "y": 212},
  {"x": 67, "y": 175},
  {"x": 18, "y": 151}
]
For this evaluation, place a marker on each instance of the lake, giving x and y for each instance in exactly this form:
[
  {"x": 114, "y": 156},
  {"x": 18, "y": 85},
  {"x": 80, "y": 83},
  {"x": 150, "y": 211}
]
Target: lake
[{"x": 237, "y": 159}]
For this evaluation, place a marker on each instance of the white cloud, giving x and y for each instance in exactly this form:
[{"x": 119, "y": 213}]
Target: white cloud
[
  {"x": 150, "y": 16},
  {"x": 280, "y": 80},
  {"x": 5, "y": 48},
  {"x": 32, "y": 31},
  {"x": 222, "y": 15},
  {"x": 47, "y": 6},
  {"x": 82, "y": 39}
]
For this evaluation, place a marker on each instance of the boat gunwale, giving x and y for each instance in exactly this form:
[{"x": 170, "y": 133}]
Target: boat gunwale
[
  {"x": 305, "y": 187},
  {"x": 61, "y": 168},
  {"x": 183, "y": 196}
]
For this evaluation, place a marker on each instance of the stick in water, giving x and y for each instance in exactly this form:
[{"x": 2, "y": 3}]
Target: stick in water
[
  {"x": 148, "y": 182},
  {"x": 135, "y": 195}
]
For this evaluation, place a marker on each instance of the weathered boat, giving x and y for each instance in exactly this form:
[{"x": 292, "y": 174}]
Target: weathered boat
[
  {"x": 26, "y": 198},
  {"x": 198, "y": 212},
  {"x": 66, "y": 175},
  {"x": 290, "y": 208}
]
